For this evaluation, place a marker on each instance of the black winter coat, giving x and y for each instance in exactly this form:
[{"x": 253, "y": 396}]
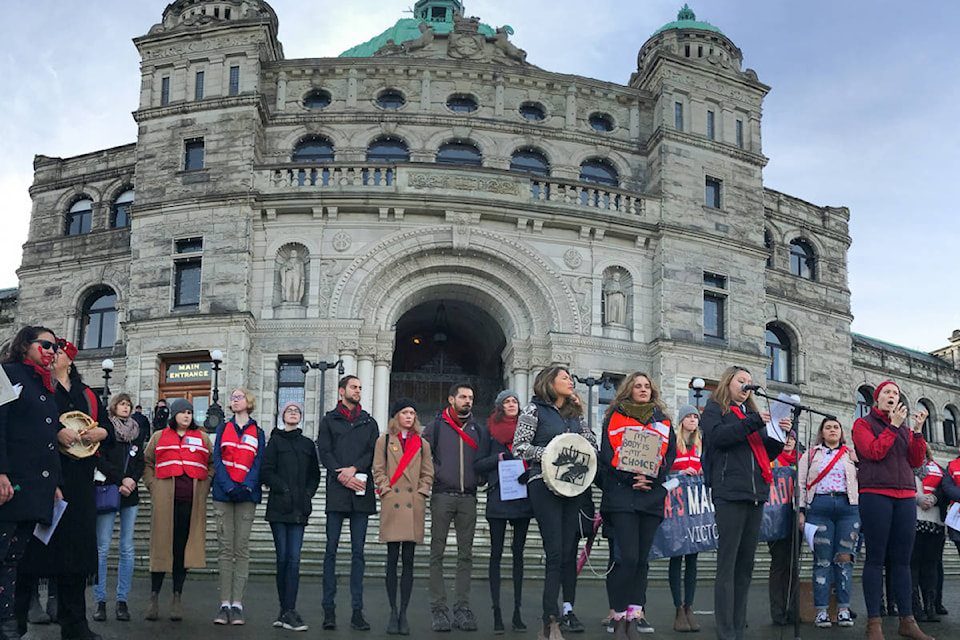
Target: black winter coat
[
  {"x": 110, "y": 461},
  {"x": 291, "y": 471},
  {"x": 487, "y": 465},
  {"x": 618, "y": 492},
  {"x": 448, "y": 449},
  {"x": 341, "y": 444},
  {"x": 732, "y": 468},
  {"x": 28, "y": 447},
  {"x": 73, "y": 548}
]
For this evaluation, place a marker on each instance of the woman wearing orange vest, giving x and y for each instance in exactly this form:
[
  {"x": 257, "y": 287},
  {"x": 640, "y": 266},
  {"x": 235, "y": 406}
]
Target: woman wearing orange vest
[
  {"x": 237, "y": 454},
  {"x": 177, "y": 469},
  {"x": 689, "y": 448}
]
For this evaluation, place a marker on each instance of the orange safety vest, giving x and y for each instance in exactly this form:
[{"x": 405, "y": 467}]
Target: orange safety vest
[
  {"x": 619, "y": 423},
  {"x": 688, "y": 460},
  {"x": 933, "y": 478},
  {"x": 177, "y": 456},
  {"x": 237, "y": 452}
]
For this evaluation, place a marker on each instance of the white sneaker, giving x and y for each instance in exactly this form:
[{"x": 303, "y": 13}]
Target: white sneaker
[
  {"x": 823, "y": 619},
  {"x": 844, "y": 619}
]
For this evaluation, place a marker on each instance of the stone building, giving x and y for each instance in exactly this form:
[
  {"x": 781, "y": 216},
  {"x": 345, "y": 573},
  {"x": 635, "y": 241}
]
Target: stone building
[{"x": 430, "y": 207}]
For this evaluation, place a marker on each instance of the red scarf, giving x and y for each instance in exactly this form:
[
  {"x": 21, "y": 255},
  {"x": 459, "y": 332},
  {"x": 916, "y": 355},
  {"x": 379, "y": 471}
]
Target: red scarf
[
  {"x": 411, "y": 446},
  {"x": 826, "y": 469},
  {"x": 503, "y": 430},
  {"x": 349, "y": 414},
  {"x": 759, "y": 451},
  {"x": 454, "y": 422},
  {"x": 43, "y": 372}
]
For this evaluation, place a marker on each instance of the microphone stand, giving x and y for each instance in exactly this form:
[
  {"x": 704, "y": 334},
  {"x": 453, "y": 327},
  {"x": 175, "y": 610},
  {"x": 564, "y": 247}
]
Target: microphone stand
[{"x": 797, "y": 535}]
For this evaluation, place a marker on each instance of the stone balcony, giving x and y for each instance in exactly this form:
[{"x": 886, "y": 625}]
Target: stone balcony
[{"x": 477, "y": 185}]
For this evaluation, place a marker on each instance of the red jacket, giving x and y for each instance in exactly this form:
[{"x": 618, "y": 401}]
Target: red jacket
[{"x": 887, "y": 455}]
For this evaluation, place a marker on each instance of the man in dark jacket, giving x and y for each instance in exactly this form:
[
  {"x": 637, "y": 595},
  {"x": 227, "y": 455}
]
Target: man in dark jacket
[
  {"x": 454, "y": 440},
  {"x": 141, "y": 421},
  {"x": 346, "y": 438},
  {"x": 161, "y": 414}
]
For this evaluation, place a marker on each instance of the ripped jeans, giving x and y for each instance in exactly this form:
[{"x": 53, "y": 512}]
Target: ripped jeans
[{"x": 838, "y": 528}]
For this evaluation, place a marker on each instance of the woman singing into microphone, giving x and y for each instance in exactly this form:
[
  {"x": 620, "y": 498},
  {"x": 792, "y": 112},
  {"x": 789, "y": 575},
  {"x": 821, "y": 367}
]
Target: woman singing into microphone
[{"x": 736, "y": 462}]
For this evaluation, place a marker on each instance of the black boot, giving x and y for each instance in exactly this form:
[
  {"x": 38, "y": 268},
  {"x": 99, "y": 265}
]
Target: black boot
[
  {"x": 37, "y": 615},
  {"x": 497, "y": 621},
  {"x": 393, "y": 626},
  {"x": 930, "y": 607},
  {"x": 918, "y": 611},
  {"x": 518, "y": 621},
  {"x": 9, "y": 630},
  {"x": 402, "y": 623}
]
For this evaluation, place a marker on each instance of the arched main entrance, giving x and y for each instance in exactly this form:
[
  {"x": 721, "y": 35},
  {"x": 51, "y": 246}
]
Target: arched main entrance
[{"x": 442, "y": 342}]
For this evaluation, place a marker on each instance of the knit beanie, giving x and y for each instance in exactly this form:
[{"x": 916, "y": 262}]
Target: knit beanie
[
  {"x": 289, "y": 404},
  {"x": 180, "y": 405},
  {"x": 686, "y": 410},
  {"x": 503, "y": 395},
  {"x": 401, "y": 404},
  {"x": 876, "y": 392}
]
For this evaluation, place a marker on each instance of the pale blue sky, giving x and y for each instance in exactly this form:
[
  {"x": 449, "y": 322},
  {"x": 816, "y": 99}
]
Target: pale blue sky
[{"x": 861, "y": 113}]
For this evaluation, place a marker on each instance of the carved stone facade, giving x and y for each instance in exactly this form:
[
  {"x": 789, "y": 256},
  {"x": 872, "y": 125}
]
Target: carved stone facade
[{"x": 602, "y": 258}]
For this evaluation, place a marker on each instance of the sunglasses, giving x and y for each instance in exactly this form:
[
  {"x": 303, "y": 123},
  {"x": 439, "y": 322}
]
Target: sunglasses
[{"x": 46, "y": 344}]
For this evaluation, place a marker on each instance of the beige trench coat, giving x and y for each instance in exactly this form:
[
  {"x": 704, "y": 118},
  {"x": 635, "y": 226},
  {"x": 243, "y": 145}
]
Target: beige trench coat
[
  {"x": 403, "y": 506},
  {"x": 161, "y": 518}
]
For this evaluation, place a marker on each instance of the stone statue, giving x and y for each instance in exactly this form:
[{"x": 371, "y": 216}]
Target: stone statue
[
  {"x": 291, "y": 277},
  {"x": 426, "y": 37},
  {"x": 507, "y": 48},
  {"x": 614, "y": 302}
]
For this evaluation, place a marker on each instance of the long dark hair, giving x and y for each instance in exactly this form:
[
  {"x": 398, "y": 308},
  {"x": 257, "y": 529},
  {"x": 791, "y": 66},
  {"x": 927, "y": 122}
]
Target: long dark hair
[
  {"x": 543, "y": 389},
  {"x": 16, "y": 351}
]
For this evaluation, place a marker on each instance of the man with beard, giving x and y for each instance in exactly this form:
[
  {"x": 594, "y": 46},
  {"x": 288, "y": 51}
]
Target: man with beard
[{"x": 454, "y": 440}]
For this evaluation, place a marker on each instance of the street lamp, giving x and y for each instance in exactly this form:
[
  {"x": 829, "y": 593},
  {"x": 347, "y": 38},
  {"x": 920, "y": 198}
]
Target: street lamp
[
  {"x": 592, "y": 382},
  {"x": 698, "y": 384},
  {"x": 214, "y": 413},
  {"x": 322, "y": 367},
  {"x": 107, "y": 366}
]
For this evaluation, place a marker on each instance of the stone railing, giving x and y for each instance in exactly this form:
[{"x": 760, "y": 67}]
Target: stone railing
[
  {"x": 586, "y": 194},
  {"x": 308, "y": 175}
]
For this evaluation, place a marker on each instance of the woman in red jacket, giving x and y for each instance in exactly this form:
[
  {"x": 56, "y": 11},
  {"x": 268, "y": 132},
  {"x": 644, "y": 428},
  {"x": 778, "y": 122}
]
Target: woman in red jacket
[{"x": 888, "y": 453}]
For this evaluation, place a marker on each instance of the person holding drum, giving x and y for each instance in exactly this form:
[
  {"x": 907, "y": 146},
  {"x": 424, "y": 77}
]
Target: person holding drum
[
  {"x": 736, "y": 462},
  {"x": 553, "y": 437},
  {"x": 633, "y": 494}
]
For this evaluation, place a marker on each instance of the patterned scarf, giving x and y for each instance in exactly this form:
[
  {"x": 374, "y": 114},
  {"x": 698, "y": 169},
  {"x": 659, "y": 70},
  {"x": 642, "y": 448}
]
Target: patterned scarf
[
  {"x": 349, "y": 414},
  {"x": 126, "y": 429}
]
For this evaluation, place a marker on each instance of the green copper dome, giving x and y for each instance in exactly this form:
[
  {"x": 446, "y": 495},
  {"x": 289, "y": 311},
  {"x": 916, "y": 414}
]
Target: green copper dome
[
  {"x": 687, "y": 19},
  {"x": 437, "y": 13}
]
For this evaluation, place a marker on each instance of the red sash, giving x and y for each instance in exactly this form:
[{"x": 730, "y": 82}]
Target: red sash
[
  {"x": 410, "y": 449},
  {"x": 92, "y": 401},
  {"x": 759, "y": 451},
  {"x": 826, "y": 469},
  {"x": 463, "y": 434}
]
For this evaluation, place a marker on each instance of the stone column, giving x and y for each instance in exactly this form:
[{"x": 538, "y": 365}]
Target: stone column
[
  {"x": 521, "y": 383},
  {"x": 365, "y": 373},
  {"x": 381, "y": 393}
]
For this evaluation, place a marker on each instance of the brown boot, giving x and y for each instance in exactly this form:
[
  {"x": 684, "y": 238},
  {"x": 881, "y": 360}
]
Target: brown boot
[
  {"x": 694, "y": 625},
  {"x": 176, "y": 609},
  {"x": 909, "y": 629},
  {"x": 153, "y": 609},
  {"x": 680, "y": 622}
]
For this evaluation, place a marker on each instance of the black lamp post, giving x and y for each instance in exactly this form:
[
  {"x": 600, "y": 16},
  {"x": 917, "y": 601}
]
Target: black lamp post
[
  {"x": 322, "y": 367},
  {"x": 592, "y": 382},
  {"x": 214, "y": 411},
  {"x": 698, "y": 384},
  {"x": 107, "y": 366}
]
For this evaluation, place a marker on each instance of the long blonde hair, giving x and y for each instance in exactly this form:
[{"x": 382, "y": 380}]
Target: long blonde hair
[
  {"x": 625, "y": 394},
  {"x": 697, "y": 436},
  {"x": 721, "y": 394},
  {"x": 393, "y": 426}
]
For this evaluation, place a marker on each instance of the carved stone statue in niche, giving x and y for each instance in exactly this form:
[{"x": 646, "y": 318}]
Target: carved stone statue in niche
[
  {"x": 614, "y": 301},
  {"x": 292, "y": 277}
]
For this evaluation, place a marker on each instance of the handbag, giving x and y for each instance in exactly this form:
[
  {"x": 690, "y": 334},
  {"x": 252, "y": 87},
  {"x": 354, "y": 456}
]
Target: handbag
[{"x": 108, "y": 495}]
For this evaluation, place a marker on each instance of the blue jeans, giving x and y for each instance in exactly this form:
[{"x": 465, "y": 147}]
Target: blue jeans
[
  {"x": 288, "y": 539},
  {"x": 838, "y": 528},
  {"x": 358, "y": 535},
  {"x": 105, "y": 521}
]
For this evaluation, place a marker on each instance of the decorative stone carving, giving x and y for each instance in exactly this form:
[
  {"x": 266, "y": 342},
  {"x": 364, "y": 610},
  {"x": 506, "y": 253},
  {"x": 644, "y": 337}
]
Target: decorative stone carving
[
  {"x": 427, "y": 35},
  {"x": 572, "y": 258},
  {"x": 614, "y": 301},
  {"x": 328, "y": 274},
  {"x": 583, "y": 288},
  {"x": 342, "y": 241},
  {"x": 291, "y": 266},
  {"x": 506, "y": 48},
  {"x": 465, "y": 46}
]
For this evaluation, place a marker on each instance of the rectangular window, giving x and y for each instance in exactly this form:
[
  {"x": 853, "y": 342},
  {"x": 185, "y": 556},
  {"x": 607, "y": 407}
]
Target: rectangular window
[
  {"x": 290, "y": 382},
  {"x": 193, "y": 154},
  {"x": 712, "y": 192},
  {"x": 198, "y": 87},
  {"x": 714, "y": 280},
  {"x": 740, "y": 133},
  {"x": 165, "y": 90},
  {"x": 79, "y": 222},
  {"x": 189, "y": 245},
  {"x": 186, "y": 292},
  {"x": 710, "y": 130},
  {"x": 678, "y": 116},
  {"x": 234, "y": 80},
  {"x": 713, "y": 322}
]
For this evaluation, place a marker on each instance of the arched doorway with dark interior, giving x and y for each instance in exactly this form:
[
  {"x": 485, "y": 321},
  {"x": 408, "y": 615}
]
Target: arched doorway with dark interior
[{"x": 443, "y": 342}]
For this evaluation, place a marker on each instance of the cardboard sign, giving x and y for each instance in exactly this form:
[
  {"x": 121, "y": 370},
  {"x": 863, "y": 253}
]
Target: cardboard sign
[{"x": 640, "y": 452}]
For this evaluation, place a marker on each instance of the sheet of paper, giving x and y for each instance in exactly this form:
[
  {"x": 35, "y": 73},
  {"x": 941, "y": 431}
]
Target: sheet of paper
[
  {"x": 808, "y": 532},
  {"x": 953, "y": 516},
  {"x": 778, "y": 411},
  {"x": 7, "y": 391},
  {"x": 510, "y": 488},
  {"x": 44, "y": 532}
]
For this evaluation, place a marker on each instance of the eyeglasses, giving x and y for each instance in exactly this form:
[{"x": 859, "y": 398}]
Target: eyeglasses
[
  {"x": 238, "y": 396},
  {"x": 46, "y": 344}
]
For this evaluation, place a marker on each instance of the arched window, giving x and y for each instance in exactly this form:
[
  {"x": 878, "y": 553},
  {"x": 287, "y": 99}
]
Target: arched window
[
  {"x": 313, "y": 149},
  {"x": 601, "y": 122},
  {"x": 317, "y": 99},
  {"x": 99, "y": 323},
  {"x": 80, "y": 217},
  {"x": 463, "y": 153},
  {"x": 533, "y": 111},
  {"x": 803, "y": 261},
  {"x": 530, "y": 161},
  {"x": 928, "y": 434},
  {"x": 950, "y": 425},
  {"x": 599, "y": 171},
  {"x": 864, "y": 401},
  {"x": 462, "y": 103},
  {"x": 780, "y": 352},
  {"x": 768, "y": 245},
  {"x": 391, "y": 99},
  {"x": 120, "y": 213},
  {"x": 388, "y": 150}
]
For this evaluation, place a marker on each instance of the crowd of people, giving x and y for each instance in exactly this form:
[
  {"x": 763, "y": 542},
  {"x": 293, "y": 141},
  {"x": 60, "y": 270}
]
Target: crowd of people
[{"x": 882, "y": 481}]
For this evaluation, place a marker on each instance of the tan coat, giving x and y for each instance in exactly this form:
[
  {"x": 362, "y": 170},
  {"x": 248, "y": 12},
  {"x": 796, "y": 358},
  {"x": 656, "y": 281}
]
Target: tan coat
[
  {"x": 403, "y": 506},
  {"x": 161, "y": 519}
]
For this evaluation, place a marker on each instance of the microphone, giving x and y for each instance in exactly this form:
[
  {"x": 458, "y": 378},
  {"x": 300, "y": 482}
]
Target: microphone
[{"x": 750, "y": 387}]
